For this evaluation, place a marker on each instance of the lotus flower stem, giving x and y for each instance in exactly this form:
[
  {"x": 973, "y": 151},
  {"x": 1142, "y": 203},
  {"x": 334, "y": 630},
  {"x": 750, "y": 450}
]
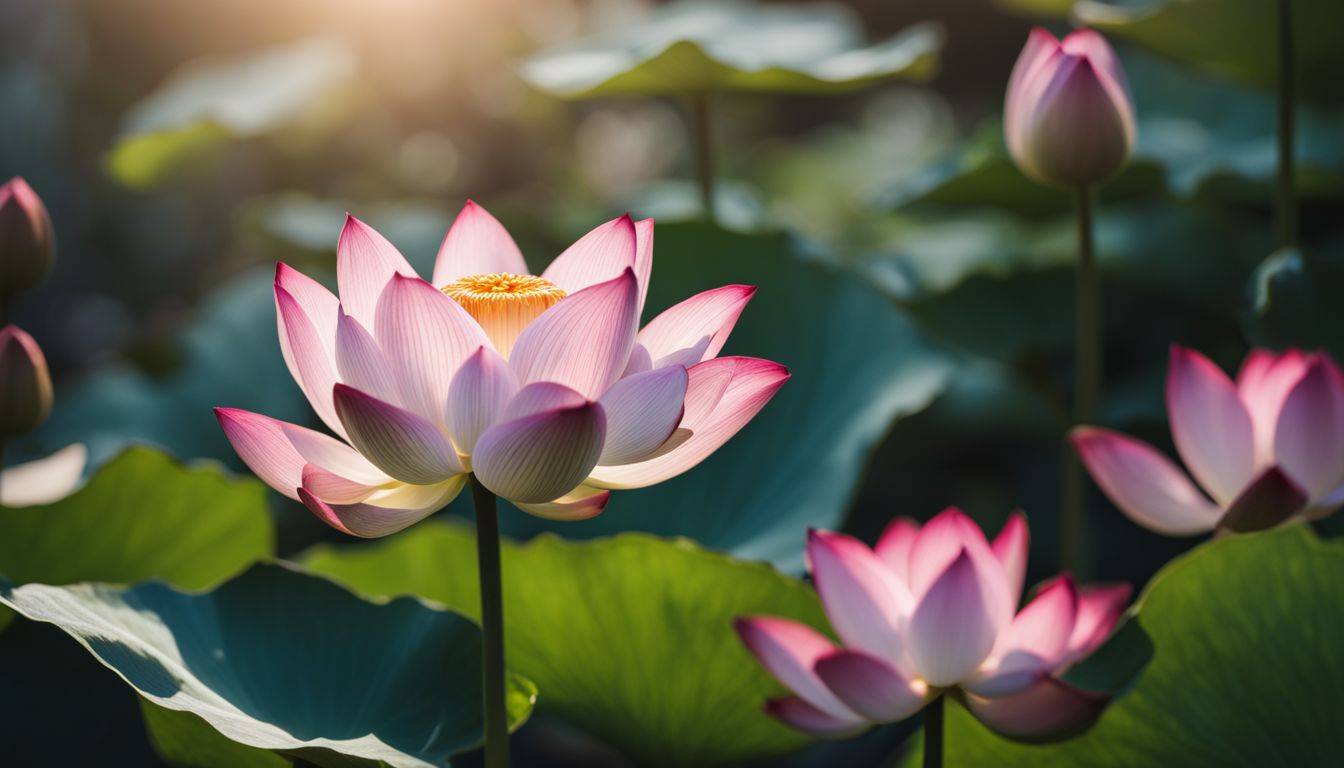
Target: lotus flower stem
[
  {"x": 1286, "y": 203},
  {"x": 933, "y": 733},
  {"x": 492, "y": 626},
  {"x": 702, "y": 121},
  {"x": 1087, "y": 377}
]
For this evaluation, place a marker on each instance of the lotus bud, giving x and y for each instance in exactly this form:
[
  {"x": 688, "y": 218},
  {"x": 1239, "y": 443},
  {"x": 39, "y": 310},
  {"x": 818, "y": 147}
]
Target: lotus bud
[
  {"x": 25, "y": 385},
  {"x": 27, "y": 245},
  {"x": 1068, "y": 118}
]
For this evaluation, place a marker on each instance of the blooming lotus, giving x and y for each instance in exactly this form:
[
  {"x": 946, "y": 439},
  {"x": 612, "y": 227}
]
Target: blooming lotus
[
  {"x": 930, "y": 610},
  {"x": 1068, "y": 118},
  {"x": 543, "y": 387},
  {"x": 1265, "y": 448}
]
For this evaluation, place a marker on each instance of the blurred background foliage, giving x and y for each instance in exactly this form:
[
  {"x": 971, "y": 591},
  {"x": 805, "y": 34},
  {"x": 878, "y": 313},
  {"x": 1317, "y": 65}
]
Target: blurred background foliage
[{"x": 917, "y": 285}]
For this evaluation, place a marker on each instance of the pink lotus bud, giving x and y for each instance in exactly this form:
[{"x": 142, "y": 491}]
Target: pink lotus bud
[
  {"x": 25, "y": 385},
  {"x": 1068, "y": 118},
  {"x": 27, "y": 246}
]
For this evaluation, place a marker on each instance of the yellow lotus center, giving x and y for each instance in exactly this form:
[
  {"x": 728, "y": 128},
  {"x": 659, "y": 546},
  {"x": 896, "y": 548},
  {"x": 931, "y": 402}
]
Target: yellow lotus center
[{"x": 504, "y": 304}]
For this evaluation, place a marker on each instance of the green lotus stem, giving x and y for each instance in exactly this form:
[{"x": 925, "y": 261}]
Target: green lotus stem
[
  {"x": 1087, "y": 378},
  {"x": 1286, "y": 199},
  {"x": 933, "y": 733},
  {"x": 492, "y": 626},
  {"x": 703, "y": 129}
]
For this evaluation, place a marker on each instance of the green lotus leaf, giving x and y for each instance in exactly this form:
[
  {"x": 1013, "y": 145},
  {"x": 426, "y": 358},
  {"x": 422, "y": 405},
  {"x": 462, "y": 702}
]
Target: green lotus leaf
[
  {"x": 141, "y": 516},
  {"x": 692, "y": 48},
  {"x": 1244, "y": 671},
  {"x": 630, "y": 638},
  {"x": 1231, "y": 38},
  {"x": 278, "y": 659},
  {"x": 797, "y": 463},
  {"x": 183, "y": 125},
  {"x": 1294, "y": 299}
]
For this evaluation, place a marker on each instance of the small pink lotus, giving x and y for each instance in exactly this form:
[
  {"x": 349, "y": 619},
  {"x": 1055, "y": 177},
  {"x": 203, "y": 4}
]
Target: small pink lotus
[
  {"x": 930, "y": 611},
  {"x": 1266, "y": 448},
  {"x": 1068, "y": 118},
  {"x": 542, "y": 386}
]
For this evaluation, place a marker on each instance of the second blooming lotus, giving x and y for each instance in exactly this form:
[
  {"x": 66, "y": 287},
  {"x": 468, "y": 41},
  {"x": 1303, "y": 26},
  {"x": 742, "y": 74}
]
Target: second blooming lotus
[
  {"x": 1265, "y": 447},
  {"x": 931, "y": 610},
  {"x": 542, "y": 386}
]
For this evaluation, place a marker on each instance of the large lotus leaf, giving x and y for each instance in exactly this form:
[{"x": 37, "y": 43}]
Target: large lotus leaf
[
  {"x": 279, "y": 659},
  {"x": 1232, "y": 38},
  {"x": 141, "y": 516},
  {"x": 700, "y": 47},
  {"x": 857, "y": 365},
  {"x": 1001, "y": 287},
  {"x": 206, "y": 104},
  {"x": 629, "y": 638},
  {"x": 1294, "y": 299},
  {"x": 1245, "y": 672}
]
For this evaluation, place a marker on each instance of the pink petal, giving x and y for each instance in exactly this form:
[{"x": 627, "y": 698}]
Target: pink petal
[
  {"x": 581, "y": 503},
  {"x": 365, "y": 261},
  {"x": 540, "y": 457},
  {"x": 1309, "y": 435},
  {"x": 334, "y": 488},
  {"x": 789, "y": 651},
  {"x": 643, "y": 259},
  {"x": 540, "y": 397},
  {"x": 426, "y": 336},
  {"x": 386, "y": 511},
  {"x": 1011, "y": 548},
  {"x": 44, "y": 480},
  {"x": 722, "y": 395},
  {"x": 1111, "y": 73},
  {"x": 941, "y": 541},
  {"x": 867, "y": 604},
  {"x": 798, "y": 714},
  {"x": 1268, "y": 500},
  {"x": 584, "y": 341},
  {"x": 316, "y": 302},
  {"x": 870, "y": 686},
  {"x": 643, "y": 411},
  {"x": 1263, "y": 383},
  {"x": 1050, "y": 709},
  {"x": 315, "y": 371},
  {"x": 1025, "y": 84},
  {"x": 1211, "y": 427},
  {"x": 477, "y": 396},
  {"x": 597, "y": 257},
  {"x": 277, "y": 452},
  {"x": 1033, "y": 645},
  {"x": 403, "y": 444},
  {"x": 953, "y": 627},
  {"x": 1080, "y": 129},
  {"x": 361, "y": 364},
  {"x": 477, "y": 244},
  {"x": 895, "y": 544},
  {"x": 1143, "y": 483},
  {"x": 1100, "y": 606},
  {"x": 696, "y": 329}
]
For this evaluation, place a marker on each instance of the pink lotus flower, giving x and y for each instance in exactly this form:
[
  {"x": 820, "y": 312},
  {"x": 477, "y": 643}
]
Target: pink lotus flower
[
  {"x": 931, "y": 610},
  {"x": 543, "y": 387},
  {"x": 1265, "y": 448},
  {"x": 1068, "y": 118}
]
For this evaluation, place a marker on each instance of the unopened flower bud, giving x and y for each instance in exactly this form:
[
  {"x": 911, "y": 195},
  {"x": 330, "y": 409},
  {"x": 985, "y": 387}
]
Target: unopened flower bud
[
  {"x": 25, "y": 384},
  {"x": 27, "y": 245}
]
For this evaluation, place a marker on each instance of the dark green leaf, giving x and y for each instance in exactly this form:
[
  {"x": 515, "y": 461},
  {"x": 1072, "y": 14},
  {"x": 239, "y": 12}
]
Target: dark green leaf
[
  {"x": 696, "y": 48},
  {"x": 629, "y": 638},
  {"x": 277, "y": 659}
]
